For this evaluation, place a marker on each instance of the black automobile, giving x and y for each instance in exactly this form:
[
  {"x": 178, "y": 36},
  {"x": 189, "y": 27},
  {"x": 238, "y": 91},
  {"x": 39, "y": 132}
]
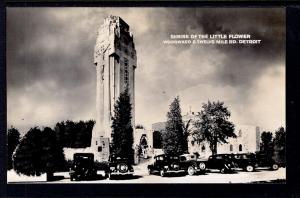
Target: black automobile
[
  {"x": 264, "y": 160},
  {"x": 119, "y": 166},
  {"x": 165, "y": 164},
  {"x": 246, "y": 161},
  {"x": 83, "y": 167},
  {"x": 222, "y": 162},
  {"x": 191, "y": 164}
]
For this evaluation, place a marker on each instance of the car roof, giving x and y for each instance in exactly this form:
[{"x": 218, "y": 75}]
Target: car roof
[
  {"x": 164, "y": 155},
  {"x": 187, "y": 154},
  {"x": 84, "y": 154},
  {"x": 244, "y": 154}
]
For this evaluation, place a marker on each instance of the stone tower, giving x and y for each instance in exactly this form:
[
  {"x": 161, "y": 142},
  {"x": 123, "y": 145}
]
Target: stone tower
[{"x": 115, "y": 61}]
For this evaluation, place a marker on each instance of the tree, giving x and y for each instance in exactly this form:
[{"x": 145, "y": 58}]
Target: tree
[
  {"x": 157, "y": 140},
  {"x": 52, "y": 155},
  {"x": 122, "y": 131},
  {"x": 74, "y": 134},
  {"x": 26, "y": 159},
  {"x": 173, "y": 137},
  {"x": 213, "y": 125},
  {"x": 13, "y": 139},
  {"x": 266, "y": 145},
  {"x": 266, "y": 140},
  {"x": 186, "y": 134},
  {"x": 38, "y": 152},
  {"x": 280, "y": 145}
]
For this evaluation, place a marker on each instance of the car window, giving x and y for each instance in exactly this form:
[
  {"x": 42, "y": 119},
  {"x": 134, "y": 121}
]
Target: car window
[
  {"x": 219, "y": 157},
  {"x": 182, "y": 158}
]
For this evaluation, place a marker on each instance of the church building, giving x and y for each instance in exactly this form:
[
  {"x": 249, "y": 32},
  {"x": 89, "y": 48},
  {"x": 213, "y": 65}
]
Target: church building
[{"x": 248, "y": 139}]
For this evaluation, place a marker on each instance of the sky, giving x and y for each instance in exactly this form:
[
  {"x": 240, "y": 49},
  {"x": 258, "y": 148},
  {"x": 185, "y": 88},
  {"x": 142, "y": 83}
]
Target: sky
[{"x": 51, "y": 76}]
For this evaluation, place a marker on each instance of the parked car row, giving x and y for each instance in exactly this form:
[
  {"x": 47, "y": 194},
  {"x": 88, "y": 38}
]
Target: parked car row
[
  {"x": 225, "y": 163},
  {"x": 84, "y": 166}
]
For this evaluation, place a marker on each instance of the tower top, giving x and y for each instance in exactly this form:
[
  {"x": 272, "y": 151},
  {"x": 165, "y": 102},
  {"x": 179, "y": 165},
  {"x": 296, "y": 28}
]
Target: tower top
[
  {"x": 114, "y": 38},
  {"x": 118, "y": 20}
]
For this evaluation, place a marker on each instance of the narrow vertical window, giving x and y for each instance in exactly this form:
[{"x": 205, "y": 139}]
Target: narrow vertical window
[
  {"x": 126, "y": 73},
  {"x": 203, "y": 148},
  {"x": 240, "y": 133}
]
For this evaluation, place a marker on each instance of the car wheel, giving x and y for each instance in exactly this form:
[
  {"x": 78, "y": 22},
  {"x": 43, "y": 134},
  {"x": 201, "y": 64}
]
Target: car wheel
[
  {"x": 191, "y": 170},
  {"x": 149, "y": 171},
  {"x": 202, "y": 166},
  {"x": 275, "y": 167},
  {"x": 222, "y": 170},
  {"x": 71, "y": 178},
  {"x": 249, "y": 168},
  {"x": 162, "y": 173}
]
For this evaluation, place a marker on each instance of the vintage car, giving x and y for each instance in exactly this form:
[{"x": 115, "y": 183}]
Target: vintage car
[
  {"x": 83, "y": 167},
  {"x": 119, "y": 166},
  {"x": 263, "y": 160},
  {"x": 191, "y": 164},
  {"x": 165, "y": 164},
  {"x": 222, "y": 162},
  {"x": 246, "y": 161}
]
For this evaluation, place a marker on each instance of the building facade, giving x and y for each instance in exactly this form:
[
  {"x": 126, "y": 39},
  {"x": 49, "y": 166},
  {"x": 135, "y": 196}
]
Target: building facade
[
  {"x": 248, "y": 139},
  {"x": 115, "y": 61}
]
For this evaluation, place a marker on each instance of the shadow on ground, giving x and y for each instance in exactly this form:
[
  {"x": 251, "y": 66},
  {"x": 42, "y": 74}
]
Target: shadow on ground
[
  {"x": 124, "y": 177},
  {"x": 278, "y": 181}
]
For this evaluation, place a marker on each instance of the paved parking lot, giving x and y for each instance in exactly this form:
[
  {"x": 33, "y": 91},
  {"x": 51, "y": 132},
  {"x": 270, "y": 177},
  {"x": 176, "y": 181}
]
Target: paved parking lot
[{"x": 141, "y": 176}]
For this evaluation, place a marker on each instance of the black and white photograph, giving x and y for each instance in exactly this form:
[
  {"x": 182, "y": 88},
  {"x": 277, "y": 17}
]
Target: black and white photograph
[{"x": 146, "y": 95}]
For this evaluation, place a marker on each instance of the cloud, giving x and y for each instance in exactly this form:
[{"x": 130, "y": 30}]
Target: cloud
[{"x": 51, "y": 76}]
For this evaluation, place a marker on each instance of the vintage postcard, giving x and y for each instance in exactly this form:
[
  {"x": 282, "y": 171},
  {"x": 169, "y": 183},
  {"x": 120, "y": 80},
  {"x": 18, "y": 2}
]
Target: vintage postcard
[{"x": 146, "y": 95}]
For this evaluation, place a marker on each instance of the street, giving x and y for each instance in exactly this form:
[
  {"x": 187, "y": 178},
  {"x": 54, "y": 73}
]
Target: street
[{"x": 141, "y": 176}]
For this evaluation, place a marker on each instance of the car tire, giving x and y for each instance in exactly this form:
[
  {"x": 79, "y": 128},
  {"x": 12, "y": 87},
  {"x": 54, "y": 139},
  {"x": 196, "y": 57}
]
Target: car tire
[
  {"x": 274, "y": 167},
  {"x": 191, "y": 170},
  {"x": 202, "y": 166},
  {"x": 249, "y": 168},
  {"x": 162, "y": 173},
  {"x": 149, "y": 171},
  {"x": 71, "y": 178},
  {"x": 222, "y": 170}
]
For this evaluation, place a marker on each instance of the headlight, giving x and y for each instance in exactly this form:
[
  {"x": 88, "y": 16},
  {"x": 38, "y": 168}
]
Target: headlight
[
  {"x": 112, "y": 168},
  {"x": 166, "y": 167}
]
